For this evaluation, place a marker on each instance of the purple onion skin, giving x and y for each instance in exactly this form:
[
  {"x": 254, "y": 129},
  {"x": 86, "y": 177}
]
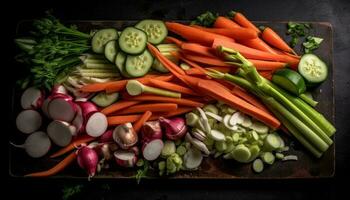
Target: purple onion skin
[
  {"x": 174, "y": 128},
  {"x": 150, "y": 131},
  {"x": 88, "y": 160}
]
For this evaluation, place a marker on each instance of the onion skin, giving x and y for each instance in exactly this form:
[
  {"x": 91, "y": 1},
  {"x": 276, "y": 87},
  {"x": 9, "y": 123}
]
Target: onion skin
[
  {"x": 151, "y": 130},
  {"x": 88, "y": 160},
  {"x": 174, "y": 128},
  {"x": 125, "y": 136}
]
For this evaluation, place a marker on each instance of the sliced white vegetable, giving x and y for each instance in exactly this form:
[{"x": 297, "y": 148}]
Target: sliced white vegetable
[
  {"x": 204, "y": 120},
  {"x": 227, "y": 124},
  {"x": 125, "y": 158},
  {"x": 62, "y": 107},
  {"x": 28, "y": 121},
  {"x": 78, "y": 121},
  {"x": 36, "y": 145},
  {"x": 96, "y": 124},
  {"x": 32, "y": 98},
  {"x": 59, "y": 89},
  {"x": 236, "y": 118},
  {"x": 44, "y": 107},
  {"x": 198, "y": 144},
  {"x": 152, "y": 150},
  {"x": 217, "y": 135},
  {"x": 198, "y": 136},
  {"x": 247, "y": 122},
  {"x": 214, "y": 116},
  {"x": 259, "y": 127},
  {"x": 61, "y": 132},
  {"x": 193, "y": 158},
  {"x": 290, "y": 157}
]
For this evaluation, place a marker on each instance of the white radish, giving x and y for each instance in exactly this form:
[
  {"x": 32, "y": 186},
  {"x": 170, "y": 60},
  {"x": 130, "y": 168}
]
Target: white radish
[
  {"x": 125, "y": 158},
  {"x": 237, "y": 118},
  {"x": 214, "y": 116},
  {"x": 198, "y": 144},
  {"x": 61, "y": 132},
  {"x": 152, "y": 150},
  {"x": 59, "y": 89},
  {"x": 61, "y": 107},
  {"x": 44, "y": 107},
  {"x": 78, "y": 121},
  {"x": 36, "y": 145},
  {"x": 95, "y": 122},
  {"x": 28, "y": 121},
  {"x": 193, "y": 158},
  {"x": 217, "y": 135},
  {"x": 32, "y": 98},
  {"x": 227, "y": 123}
]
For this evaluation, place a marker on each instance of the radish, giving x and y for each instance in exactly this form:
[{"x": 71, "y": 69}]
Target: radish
[
  {"x": 36, "y": 145},
  {"x": 151, "y": 130},
  {"x": 59, "y": 89},
  {"x": 61, "y": 107},
  {"x": 174, "y": 128},
  {"x": 95, "y": 122},
  {"x": 78, "y": 121},
  {"x": 56, "y": 90},
  {"x": 193, "y": 158},
  {"x": 28, "y": 121},
  {"x": 106, "y": 136},
  {"x": 151, "y": 150},
  {"x": 125, "y": 158},
  {"x": 61, "y": 132},
  {"x": 32, "y": 98},
  {"x": 125, "y": 136},
  {"x": 44, "y": 107},
  {"x": 88, "y": 159}
]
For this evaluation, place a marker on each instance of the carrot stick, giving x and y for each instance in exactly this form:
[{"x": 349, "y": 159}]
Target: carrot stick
[
  {"x": 223, "y": 22},
  {"x": 174, "y": 40},
  {"x": 195, "y": 71},
  {"x": 172, "y": 87},
  {"x": 179, "y": 111},
  {"x": 207, "y": 60},
  {"x": 249, "y": 98},
  {"x": 267, "y": 65},
  {"x": 153, "y": 107},
  {"x": 198, "y": 49},
  {"x": 95, "y": 87},
  {"x": 243, "y": 21},
  {"x": 182, "y": 101},
  {"x": 122, "y": 119},
  {"x": 118, "y": 106},
  {"x": 266, "y": 74},
  {"x": 272, "y": 38},
  {"x": 194, "y": 34},
  {"x": 139, "y": 123},
  {"x": 258, "y": 44},
  {"x": 237, "y": 33},
  {"x": 57, "y": 168},
  {"x": 192, "y": 64},
  {"x": 75, "y": 143}
]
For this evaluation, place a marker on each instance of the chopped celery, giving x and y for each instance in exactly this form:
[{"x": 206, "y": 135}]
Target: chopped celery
[
  {"x": 181, "y": 150},
  {"x": 220, "y": 146},
  {"x": 279, "y": 156},
  {"x": 268, "y": 158},
  {"x": 258, "y": 166},
  {"x": 191, "y": 119},
  {"x": 168, "y": 149},
  {"x": 271, "y": 142},
  {"x": 241, "y": 153},
  {"x": 211, "y": 108}
]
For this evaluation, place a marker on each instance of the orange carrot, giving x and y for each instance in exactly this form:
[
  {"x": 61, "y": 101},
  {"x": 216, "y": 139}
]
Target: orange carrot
[
  {"x": 223, "y": 22},
  {"x": 198, "y": 49},
  {"x": 139, "y": 123},
  {"x": 96, "y": 87},
  {"x": 153, "y": 107},
  {"x": 122, "y": 119},
  {"x": 182, "y": 101},
  {"x": 266, "y": 74},
  {"x": 174, "y": 40},
  {"x": 118, "y": 106},
  {"x": 194, "y": 34},
  {"x": 272, "y": 38},
  {"x": 172, "y": 87},
  {"x": 207, "y": 60},
  {"x": 237, "y": 33},
  {"x": 243, "y": 21},
  {"x": 258, "y": 44},
  {"x": 57, "y": 168},
  {"x": 75, "y": 143},
  {"x": 195, "y": 71},
  {"x": 179, "y": 111},
  {"x": 192, "y": 64},
  {"x": 267, "y": 65},
  {"x": 249, "y": 98},
  {"x": 219, "y": 92}
]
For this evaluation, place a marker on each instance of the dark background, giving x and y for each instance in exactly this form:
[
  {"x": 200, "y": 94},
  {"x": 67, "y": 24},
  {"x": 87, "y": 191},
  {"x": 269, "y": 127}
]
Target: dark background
[{"x": 337, "y": 12}]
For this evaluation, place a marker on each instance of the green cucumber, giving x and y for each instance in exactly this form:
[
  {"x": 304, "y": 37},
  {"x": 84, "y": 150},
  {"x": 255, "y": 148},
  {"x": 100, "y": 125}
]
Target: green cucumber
[
  {"x": 111, "y": 50},
  {"x": 241, "y": 153},
  {"x": 155, "y": 29},
  {"x": 103, "y": 99},
  {"x": 313, "y": 69},
  {"x": 138, "y": 65},
  {"x": 120, "y": 63},
  {"x": 289, "y": 80},
  {"x": 101, "y": 37},
  {"x": 132, "y": 41},
  {"x": 258, "y": 166}
]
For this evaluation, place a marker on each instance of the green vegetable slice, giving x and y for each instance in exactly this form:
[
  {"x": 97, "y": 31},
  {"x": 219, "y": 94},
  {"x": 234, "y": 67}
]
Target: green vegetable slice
[
  {"x": 101, "y": 38},
  {"x": 103, "y": 99},
  {"x": 313, "y": 69},
  {"x": 155, "y": 29},
  {"x": 289, "y": 80},
  {"x": 138, "y": 65},
  {"x": 132, "y": 40},
  {"x": 258, "y": 166},
  {"x": 111, "y": 50}
]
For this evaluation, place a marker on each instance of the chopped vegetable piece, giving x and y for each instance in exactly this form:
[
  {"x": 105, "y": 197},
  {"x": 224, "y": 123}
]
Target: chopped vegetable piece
[{"x": 258, "y": 166}]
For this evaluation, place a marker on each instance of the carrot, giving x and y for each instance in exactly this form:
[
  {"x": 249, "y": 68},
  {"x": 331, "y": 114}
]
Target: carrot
[
  {"x": 95, "y": 87},
  {"x": 122, "y": 119},
  {"x": 192, "y": 64},
  {"x": 172, "y": 87},
  {"x": 219, "y": 92},
  {"x": 194, "y": 34},
  {"x": 174, "y": 40},
  {"x": 74, "y": 144},
  {"x": 243, "y": 21},
  {"x": 249, "y": 98},
  {"x": 255, "y": 54},
  {"x": 118, "y": 106},
  {"x": 139, "y": 123},
  {"x": 267, "y": 65},
  {"x": 179, "y": 111},
  {"x": 153, "y": 107},
  {"x": 272, "y": 38},
  {"x": 57, "y": 168},
  {"x": 223, "y": 22},
  {"x": 258, "y": 44},
  {"x": 266, "y": 74},
  {"x": 237, "y": 33},
  {"x": 198, "y": 49},
  {"x": 195, "y": 71},
  {"x": 207, "y": 60},
  {"x": 182, "y": 101}
]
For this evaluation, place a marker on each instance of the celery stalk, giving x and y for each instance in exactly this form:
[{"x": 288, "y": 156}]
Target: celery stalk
[{"x": 308, "y": 100}]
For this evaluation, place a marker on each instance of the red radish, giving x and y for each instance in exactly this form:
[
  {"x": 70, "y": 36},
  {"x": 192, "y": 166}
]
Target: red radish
[
  {"x": 88, "y": 160},
  {"x": 61, "y": 132},
  {"x": 106, "y": 136},
  {"x": 125, "y": 136},
  {"x": 103, "y": 150},
  {"x": 95, "y": 122},
  {"x": 32, "y": 98},
  {"x": 78, "y": 121},
  {"x": 125, "y": 158},
  {"x": 59, "y": 89},
  {"x": 36, "y": 145},
  {"x": 135, "y": 149},
  {"x": 28, "y": 121},
  {"x": 56, "y": 90},
  {"x": 151, "y": 130},
  {"x": 44, "y": 107},
  {"x": 152, "y": 149},
  {"x": 61, "y": 107},
  {"x": 174, "y": 128}
]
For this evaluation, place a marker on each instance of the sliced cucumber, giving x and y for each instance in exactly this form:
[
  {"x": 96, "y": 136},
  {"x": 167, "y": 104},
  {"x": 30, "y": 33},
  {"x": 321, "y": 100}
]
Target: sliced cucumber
[
  {"x": 313, "y": 69},
  {"x": 159, "y": 66},
  {"x": 111, "y": 50},
  {"x": 101, "y": 37},
  {"x": 120, "y": 63},
  {"x": 259, "y": 127},
  {"x": 103, "y": 99},
  {"x": 289, "y": 80},
  {"x": 138, "y": 65},
  {"x": 155, "y": 29},
  {"x": 132, "y": 40}
]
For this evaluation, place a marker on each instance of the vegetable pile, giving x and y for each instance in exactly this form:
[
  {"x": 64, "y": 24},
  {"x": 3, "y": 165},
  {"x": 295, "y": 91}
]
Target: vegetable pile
[{"x": 140, "y": 98}]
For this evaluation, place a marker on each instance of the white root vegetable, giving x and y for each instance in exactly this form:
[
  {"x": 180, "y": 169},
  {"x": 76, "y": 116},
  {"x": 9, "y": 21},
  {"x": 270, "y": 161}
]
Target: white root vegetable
[
  {"x": 61, "y": 107},
  {"x": 78, "y": 121},
  {"x": 227, "y": 123},
  {"x": 237, "y": 118},
  {"x": 193, "y": 158},
  {"x": 125, "y": 136},
  {"x": 214, "y": 116},
  {"x": 36, "y": 145},
  {"x": 61, "y": 132},
  {"x": 95, "y": 122},
  {"x": 198, "y": 144},
  {"x": 217, "y": 135},
  {"x": 28, "y": 121},
  {"x": 59, "y": 89},
  {"x": 125, "y": 158},
  {"x": 151, "y": 150},
  {"x": 32, "y": 98}
]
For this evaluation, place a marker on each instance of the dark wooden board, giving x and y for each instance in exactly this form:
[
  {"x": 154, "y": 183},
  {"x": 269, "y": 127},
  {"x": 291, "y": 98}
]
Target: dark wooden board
[{"x": 306, "y": 167}]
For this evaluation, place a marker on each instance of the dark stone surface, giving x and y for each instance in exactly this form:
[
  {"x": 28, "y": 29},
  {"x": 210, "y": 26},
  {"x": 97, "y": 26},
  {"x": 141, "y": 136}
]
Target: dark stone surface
[{"x": 337, "y": 12}]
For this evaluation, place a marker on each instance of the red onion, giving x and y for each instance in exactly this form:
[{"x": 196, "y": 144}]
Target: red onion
[
  {"x": 125, "y": 158},
  {"x": 88, "y": 160},
  {"x": 125, "y": 136},
  {"x": 174, "y": 128},
  {"x": 151, "y": 130},
  {"x": 106, "y": 136}
]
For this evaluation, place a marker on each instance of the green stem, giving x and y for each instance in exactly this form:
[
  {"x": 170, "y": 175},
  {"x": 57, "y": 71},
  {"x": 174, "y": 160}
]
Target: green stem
[{"x": 308, "y": 100}]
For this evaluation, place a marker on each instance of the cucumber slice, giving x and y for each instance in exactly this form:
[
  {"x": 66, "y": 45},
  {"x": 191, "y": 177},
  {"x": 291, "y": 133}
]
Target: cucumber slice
[
  {"x": 289, "y": 80},
  {"x": 101, "y": 37},
  {"x": 139, "y": 65},
  {"x": 155, "y": 29},
  {"x": 103, "y": 99},
  {"x": 120, "y": 63},
  {"x": 313, "y": 69},
  {"x": 241, "y": 153},
  {"x": 111, "y": 50},
  {"x": 132, "y": 40},
  {"x": 159, "y": 66},
  {"x": 258, "y": 166}
]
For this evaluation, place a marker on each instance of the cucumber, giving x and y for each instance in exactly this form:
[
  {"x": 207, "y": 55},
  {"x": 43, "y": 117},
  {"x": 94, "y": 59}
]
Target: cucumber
[
  {"x": 111, "y": 50},
  {"x": 132, "y": 41},
  {"x": 313, "y": 69},
  {"x": 103, "y": 99},
  {"x": 120, "y": 63},
  {"x": 289, "y": 80},
  {"x": 138, "y": 65},
  {"x": 101, "y": 37},
  {"x": 155, "y": 29}
]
